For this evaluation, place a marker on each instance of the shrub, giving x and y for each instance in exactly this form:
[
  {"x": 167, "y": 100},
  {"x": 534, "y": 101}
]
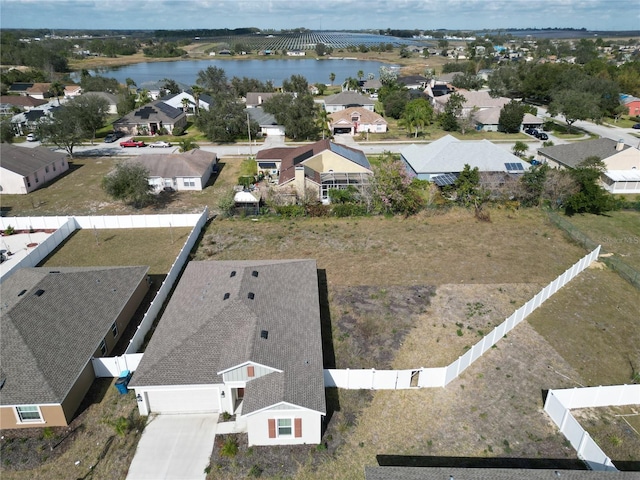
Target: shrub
[
  {"x": 230, "y": 448},
  {"x": 255, "y": 471},
  {"x": 318, "y": 210},
  {"x": 122, "y": 426},
  {"x": 177, "y": 131},
  {"x": 226, "y": 416},
  {"x": 290, "y": 210},
  {"x": 9, "y": 230},
  {"x": 349, "y": 210}
]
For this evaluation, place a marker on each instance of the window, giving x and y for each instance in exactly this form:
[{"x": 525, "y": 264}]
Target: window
[
  {"x": 37, "y": 179},
  {"x": 284, "y": 427},
  {"x": 29, "y": 414},
  {"x": 103, "y": 347},
  {"x": 46, "y": 169},
  {"x": 54, "y": 167},
  {"x": 114, "y": 329},
  {"x": 189, "y": 182}
]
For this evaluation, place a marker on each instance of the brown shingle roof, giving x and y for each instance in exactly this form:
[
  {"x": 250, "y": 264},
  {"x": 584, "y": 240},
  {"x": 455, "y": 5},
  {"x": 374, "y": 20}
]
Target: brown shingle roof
[
  {"x": 22, "y": 100},
  {"x": 366, "y": 116},
  {"x": 194, "y": 163}
]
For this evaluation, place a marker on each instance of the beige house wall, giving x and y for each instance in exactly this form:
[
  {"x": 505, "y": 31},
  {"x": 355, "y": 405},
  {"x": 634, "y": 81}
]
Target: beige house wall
[
  {"x": 626, "y": 160},
  {"x": 52, "y": 415},
  {"x": 327, "y": 161}
]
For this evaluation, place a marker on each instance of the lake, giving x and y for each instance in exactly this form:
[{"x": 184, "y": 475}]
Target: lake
[{"x": 274, "y": 69}]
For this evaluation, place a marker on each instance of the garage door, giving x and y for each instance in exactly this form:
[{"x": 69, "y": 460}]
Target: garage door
[{"x": 202, "y": 400}]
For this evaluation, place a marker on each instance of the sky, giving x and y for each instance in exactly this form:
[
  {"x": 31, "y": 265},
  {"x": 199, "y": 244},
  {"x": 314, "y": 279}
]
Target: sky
[{"x": 320, "y": 14}]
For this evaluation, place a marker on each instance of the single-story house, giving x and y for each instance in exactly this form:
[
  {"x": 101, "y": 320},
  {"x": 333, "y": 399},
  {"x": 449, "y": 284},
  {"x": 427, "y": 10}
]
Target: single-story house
[
  {"x": 268, "y": 160},
  {"x": 632, "y": 103},
  {"x": 318, "y": 167},
  {"x": 622, "y": 174},
  {"x": 27, "y": 169},
  {"x": 175, "y": 100},
  {"x": 434, "y": 90},
  {"x": 19, "y": 88},
  {"x": 296, "y": 53},
  {"x": 372, "y": 85},
  {"x": 71, "y": 91},
  {"x": 478, "y": 100},
  {"x": 357, "y": 120},
  {"x": 150, "y": 119},
  {"x": 234, "y": 338},
  {"x": 178, "y": 171},
  {"x": 111, "y": 99},
  {"x": 54, "y": 321},
  {"x": 22, "y": 102},
  {"x": 268, "y": 123},
  {"x": 441, "y": 161},
  {"x": 255, "y": 99},
  {"x": 157, "y": 89},
  {"x": 413, "y": 82},
  {"x": 343, "y": 100},
  {"x": 488, "y": 120},
  {"x": 39, "y": 90},
  {"x": 27, "y": 121}
]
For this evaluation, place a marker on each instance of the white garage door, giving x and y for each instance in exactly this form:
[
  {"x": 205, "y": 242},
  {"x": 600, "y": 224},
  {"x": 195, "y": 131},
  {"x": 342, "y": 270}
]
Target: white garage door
[{"x": 202, "y": 400}]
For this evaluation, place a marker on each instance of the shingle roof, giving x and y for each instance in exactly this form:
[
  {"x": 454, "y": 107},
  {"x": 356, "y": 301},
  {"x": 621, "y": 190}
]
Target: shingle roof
[
  {"x": 449, "y": 155},
  {"x": 47, "y": 340},
  {"x": 348, "y": 98},
  {"x": 447, "y": 473},
  {"x": 292, "y": 156},
  {"x": 194, "y": 163},
  {"x": 260, "y": 116},
  {"x": 156, "y": 111},
  {"x": 366, "y": 116},
  {"x": 109, "y": 97},
  {"x": 22, "y": 100},
  {"x": 25, "y": 161},
  {"x": 201, "y": 333},
  {"x": 476, "y": 98},
  {"x": 571, "y": 154},
  {"x": 258, "y": 98}
]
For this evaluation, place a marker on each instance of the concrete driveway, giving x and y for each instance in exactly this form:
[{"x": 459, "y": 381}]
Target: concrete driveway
[{"x": 174, "y": 447}]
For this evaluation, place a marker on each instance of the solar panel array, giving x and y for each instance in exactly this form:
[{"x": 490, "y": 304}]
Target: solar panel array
[
  {"x": 513, "y": 167},
  {"x": 445, "y": 179},
  {"x": 145, "y": 112},
  {"x": 168, "y": 110}
]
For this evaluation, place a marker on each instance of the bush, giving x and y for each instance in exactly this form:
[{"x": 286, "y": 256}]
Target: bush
[
  {"x": 122, "y": 426},
  {"x": 255, "y": 471},
  {"x": 230, "y": 448},
  {"x": 318, "y": 210},
  {"x": 177, "y": 131},
  {"x": 290, "y": 210},
  {"x": 349, "y": 210},
  {"x": 9, "y": 230}
]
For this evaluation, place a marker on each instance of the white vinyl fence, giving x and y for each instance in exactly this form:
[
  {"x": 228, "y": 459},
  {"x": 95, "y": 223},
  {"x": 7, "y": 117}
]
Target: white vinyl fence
[
  {"x": 559, "y": 403},
  {"x": 440, "y": 377},
  {"x": 113, "y": 366},
  {"x": 152, "y": 312}
]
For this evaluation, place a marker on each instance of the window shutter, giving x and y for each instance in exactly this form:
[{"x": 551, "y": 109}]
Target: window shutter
[
  {"x": 272, "y": 428},
  {"x": 298, "y": 427},
  {"x": 250, "y": 371}
]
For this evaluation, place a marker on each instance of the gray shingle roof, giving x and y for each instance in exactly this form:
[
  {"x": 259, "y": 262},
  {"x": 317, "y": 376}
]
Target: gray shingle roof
[
  {"x": 47, "y": 340},
  {"x": 194, "y": 163},
  {"x": 25, "y": 161},
  {"x": 571, "y": 154},
  {"x": 348, "y": 98},
  {"x": 446, "y": 473},
  {"x": 260, "y": 116},
  {"x": 201, "y": 333}
]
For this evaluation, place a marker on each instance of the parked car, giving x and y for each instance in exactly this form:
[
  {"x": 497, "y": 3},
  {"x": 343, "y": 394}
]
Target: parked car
[
  {"x": 133, "y": 143},
  {"x": 542, "y": 136},
  {"x": 531, "y": 131},
  {"x": 110, "y": 138},
  {"x": 160, "y": 144},
  {"x": 32, "y": 137},
  {"x": 636, "y": 126}
]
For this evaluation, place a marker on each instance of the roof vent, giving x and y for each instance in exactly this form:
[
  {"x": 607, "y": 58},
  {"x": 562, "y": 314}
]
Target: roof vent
[
  {"x": 264, "y": 334},
  {"x": 39, "y": 293},
  {"x": 233, "y": 274},
  {"x": 254, "y": 273},
  {"x": 251, "y": 296},
  {"x": 226, "y": 296},
  {"x": 22, "y": 293}
]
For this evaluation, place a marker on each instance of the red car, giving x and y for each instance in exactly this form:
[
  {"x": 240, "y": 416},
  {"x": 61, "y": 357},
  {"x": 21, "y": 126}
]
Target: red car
[{"x": 133, "y": 143}]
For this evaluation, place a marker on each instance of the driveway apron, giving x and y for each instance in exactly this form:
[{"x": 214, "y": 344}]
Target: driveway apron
[{"x": 176, "y": 447}]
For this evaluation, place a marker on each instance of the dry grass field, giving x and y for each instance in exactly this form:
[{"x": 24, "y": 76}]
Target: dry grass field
[{"x": 401, "y": 293}]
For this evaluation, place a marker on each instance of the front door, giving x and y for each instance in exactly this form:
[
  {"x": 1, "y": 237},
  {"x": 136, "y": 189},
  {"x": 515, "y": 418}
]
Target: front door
[{"x": 240, "y": 393}]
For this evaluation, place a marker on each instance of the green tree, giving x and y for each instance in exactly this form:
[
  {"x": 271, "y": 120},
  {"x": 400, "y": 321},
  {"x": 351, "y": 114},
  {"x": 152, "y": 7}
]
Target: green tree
[
  {"x": 533, "y": 181},
  {"x": 591, "y": 197},
  {"x": 6, "y": 132},
  {"x": 298, "y": 114},
  {"x": 225, "y": 123},
  {"x": 452, "y": 112},
  {"x": 196, "y": 91},
  {"x": 320, "y": 49},
  {"x": 332, "y": 77},
  {"x": 129, "y": 182},
  {"x": 171, "y": 86},
  {"x": 213, "y": 80},
  {"x": 126, "y": 103},
  {"x": 394, "y": 102},
  {"x": 519, "y": 148},
  {"x": 417, "y": 114},
  {"x": 394, "y": 190},
  {"x": 511, "y": 117},
  {"x": 186, "y": 144},
  {"x": 296, "y": 84},
  {"x": 360, "y": 75},
  {"x": 574, "y": 105},
  {"x": 64, "y": 129},
  {"x": 91, "y": 111},
  {"x": 57, "y": 90}
]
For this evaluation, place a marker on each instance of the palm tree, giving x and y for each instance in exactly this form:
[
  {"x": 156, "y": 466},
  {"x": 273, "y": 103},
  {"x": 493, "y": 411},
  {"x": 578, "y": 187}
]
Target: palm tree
[
  {"x": 56, "y": 89},
  {"x": 196, "y": 90},
  {"x": 185, "y": 104},
  {"x": 360, "y": 75},
  {"x": 323, "y": 120},
  {"x": 332, "y": 77},
  {"x": 187, "y": 144}
]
